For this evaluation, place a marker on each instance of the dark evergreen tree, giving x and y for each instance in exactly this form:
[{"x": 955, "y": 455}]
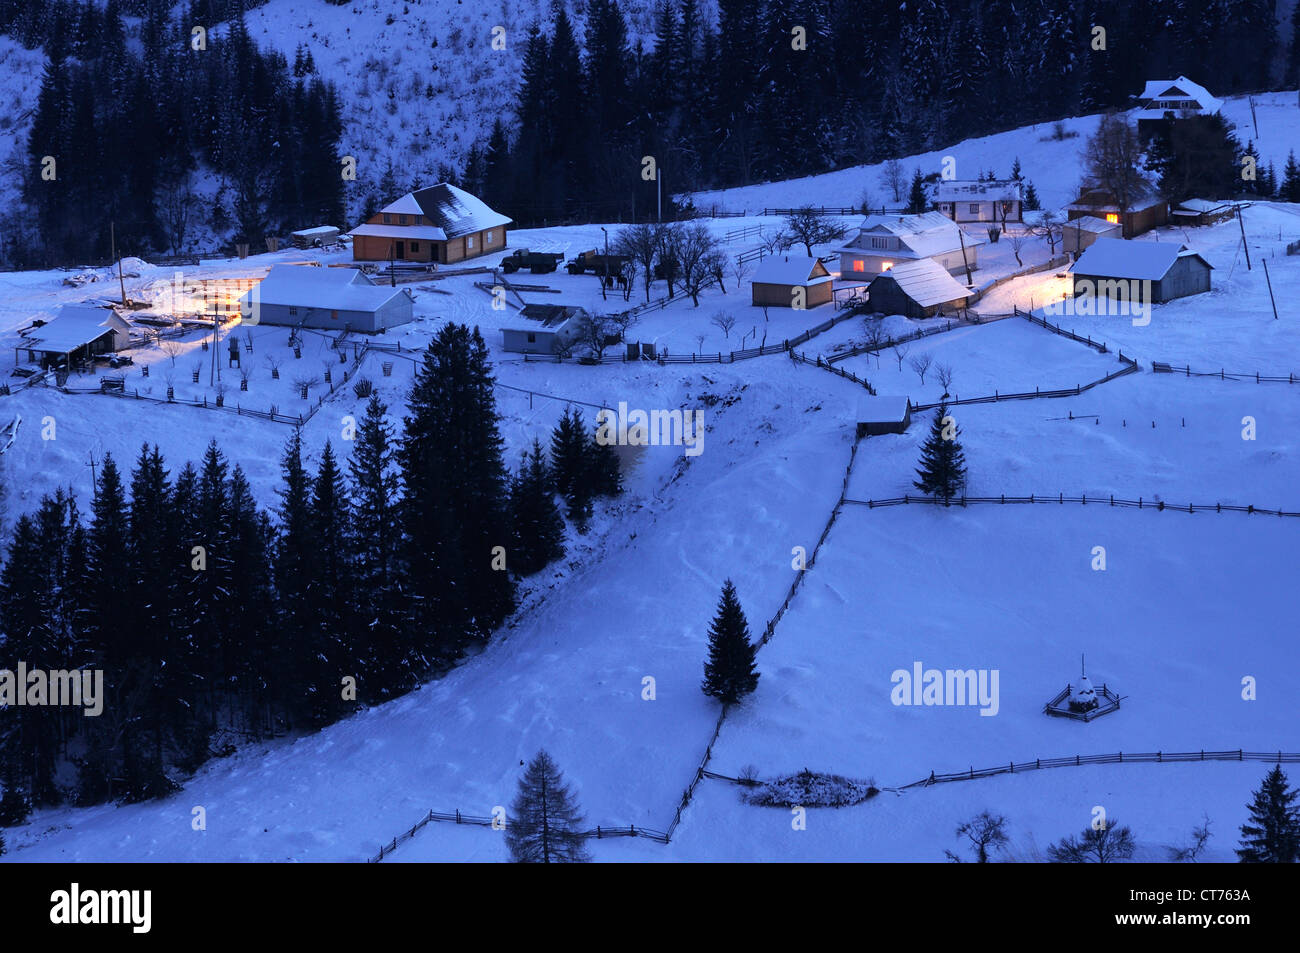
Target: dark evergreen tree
[
  {"x": 1032, "y": 202},
  {"x": 943, "y": 464},
  {"x": 1272, "y": 836},
  {"x": 730, "y": 672},
  {"x": 545, "y": 823},
  {"x": 604, "y": 471},
  {"x": 917, "y": 200},
  {"x": 331, "y": 593},
  {"x": 568, "y": 452},
  {"x": 537, "y": 527},
  {"x": 295, "y": 564},
  {"x": 1289, "y": 191}
]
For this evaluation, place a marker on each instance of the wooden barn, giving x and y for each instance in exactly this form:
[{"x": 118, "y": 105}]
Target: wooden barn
[
  {"x": 1143, "y": 272},
  {"x": 1146, "y": 210},
  {"x": 331, "y": 298},
  {"x": 440, "y": 224},
  {"x": 884, "y": 241},
  {"x": 979, "y": 200},
  {"x": 77, "y": 333},
  {"x": 916, "y": 289},
  {"x": 881, "y": 415},
  {"x": 1078, "y": 233},
  {"x": 1203, "y": 212},
  {"x": 778, "y": 282}
]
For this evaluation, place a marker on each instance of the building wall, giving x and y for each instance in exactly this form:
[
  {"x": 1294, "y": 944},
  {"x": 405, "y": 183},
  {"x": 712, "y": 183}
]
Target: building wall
[
  {"x": 1188, "y": 276},
  {"x": 886, "y": 297},
  {"x": 986, "y": 211},
  {"x": 373, "y": 248},
  {"x": 395, "y": 312},
  {"x": 1076, "y": 240},
  {"x": 517, "y": 341},
  {"x": 874, "y": 262},
  {"x": 782, "y": 296}
]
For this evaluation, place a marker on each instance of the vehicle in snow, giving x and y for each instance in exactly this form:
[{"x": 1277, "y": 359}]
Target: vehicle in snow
[
  {"x": 596, "y": 264},
  {"x": 538, "y": 262}
]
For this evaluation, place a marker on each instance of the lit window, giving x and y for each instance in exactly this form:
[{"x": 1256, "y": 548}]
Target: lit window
[
  {"x": 886, "y": 265},
  {"x": 859, "y": 265},
  {"x": 1112, "y": 217}
]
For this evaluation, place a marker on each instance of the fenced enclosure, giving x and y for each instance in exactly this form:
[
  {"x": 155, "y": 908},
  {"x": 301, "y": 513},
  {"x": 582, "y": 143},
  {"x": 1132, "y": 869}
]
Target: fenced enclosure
[
  {"x": 1060, "y": 499},
  {"x": 1162, "y": 367}
]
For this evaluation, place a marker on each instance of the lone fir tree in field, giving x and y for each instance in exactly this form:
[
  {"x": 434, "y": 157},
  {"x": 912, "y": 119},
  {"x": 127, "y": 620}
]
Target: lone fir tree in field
[
  {"x": 942, "y": 472},
  {"x": 545, "y": 822},
  {"x": 729, "y": 673},
  {"x": 1272, "y": 836}
]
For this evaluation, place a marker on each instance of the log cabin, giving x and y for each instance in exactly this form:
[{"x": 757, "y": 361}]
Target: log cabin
[{"x": 440, "y": 224}]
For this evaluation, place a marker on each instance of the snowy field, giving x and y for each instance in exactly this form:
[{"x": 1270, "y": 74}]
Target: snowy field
[{"x": 1188, "y": 604}]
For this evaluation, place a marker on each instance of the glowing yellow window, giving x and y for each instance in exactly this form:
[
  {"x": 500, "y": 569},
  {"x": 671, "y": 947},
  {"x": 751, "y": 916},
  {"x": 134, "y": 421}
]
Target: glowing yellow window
[
  {"x": 1112, "y": 217},
  {"x": 886, "y": 265},
  {"x": 859, "y": 265}
]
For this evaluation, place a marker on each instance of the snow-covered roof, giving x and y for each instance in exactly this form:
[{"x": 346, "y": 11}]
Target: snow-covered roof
[
  {"x": 1201, "y": 207},
  {"x": 790, "y": 270},
  {"x": 921, "y": 236},
  {"x": 404, "y": 232},
  {"x": 457, "y": 212},
  {"x": 335, "y": 289},
  {"x": 1181, "y": 90},
  {"x": 1136, "y": 261},
  {"x": 552, "y": 315},
  {"x": 977, "y": 190},
  {"x": 76, "y": 325},
  {"x": 881, "y": 410},
  {"x": 1091, "y": 223},
  {"x": 926, "y": 282},
  {"x": 317, "y": 232},
  {"x": 1100, "y": 200}
]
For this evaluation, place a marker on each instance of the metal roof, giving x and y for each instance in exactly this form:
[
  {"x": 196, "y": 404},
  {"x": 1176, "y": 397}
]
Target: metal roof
[
  {"x": 1136, "y": 261},
  {"x": 790, "y": 270}
]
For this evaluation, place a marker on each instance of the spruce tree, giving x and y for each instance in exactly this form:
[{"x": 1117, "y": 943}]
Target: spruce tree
[
  {"x": 545, "y": 823},
  {"x": 917, "y": 200},
  {"x": 1032, "y": 202},
  {"x": 730, "y": 672},
  {"x": 1290, "y": 188},
  {"x": 1272, "y": 836},
  {"x": 295, "y": 564},
  {"x": 388, "y": 662},
  {"x": 330, "y": 597},
  {"x": 568, "y": 452},
  {"x": 537, "y": 527},
  {"x": 603, "y": 467},
  {"x": 943, "y": 464}
]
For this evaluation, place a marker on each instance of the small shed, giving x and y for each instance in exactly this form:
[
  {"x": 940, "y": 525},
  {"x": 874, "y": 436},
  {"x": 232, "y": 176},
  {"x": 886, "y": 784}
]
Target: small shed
[
  {"x": 1145, "y": 272},
  {"x": 1078, "y": 233},
  {"x": 316, "y": 237},
  {"x": 332, "y": 298},
  {"x": 557, "y": 327},
  {"x": 77, "y": 332},
  {"x": 880, "y": 415},
  {"x": 778, "y": 282},
  {"x": 1203, "y": 212},
  {"x": 917, "y": 289}
]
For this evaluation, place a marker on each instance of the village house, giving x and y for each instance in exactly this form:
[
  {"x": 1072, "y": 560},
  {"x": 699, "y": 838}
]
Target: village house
[
  {"x": 330, "y": 298},
  {"x": 1141, "y": 272},
  {"x": 780, "y": 280},
  {"x": 440, "y": 224},
  {"x": 883, "y": 241},
  {"x": 1146, "y": 209},
  {"x": 1078, "y": 233},
  {"x": 1179, "y": 98},
  {"x": 77, "y": 333},
  {"x": 978, "y": 200},
  {"x": 557, "y": 328},
  {"x": 916, "y": 289}
]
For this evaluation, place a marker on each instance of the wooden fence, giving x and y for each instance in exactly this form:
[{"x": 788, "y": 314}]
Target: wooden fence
[
  {"x": 456, "y": 817},
  {"x": 1099, "y": 346},
  {"x": 1061, "y": 499},
  {"x": 1161, "y": 367},
  {"x": 1120, "y": 757},
  {"x": 1130, "y": 367},
  {"x": 890, "y": 342},
  {"x": 837, "y": 371}
]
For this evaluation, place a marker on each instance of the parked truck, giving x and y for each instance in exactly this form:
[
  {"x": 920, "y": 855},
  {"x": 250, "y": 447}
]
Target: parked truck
[
  {"x": 538, "y": 262},
  {"x": 590, "y": 262}
]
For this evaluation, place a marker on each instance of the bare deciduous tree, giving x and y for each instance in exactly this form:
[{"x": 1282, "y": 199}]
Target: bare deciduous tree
[
  {"x": 595, "y": 331},
  {"x": 1200, "y": 837},
  {"x": 894, "y": 179},
  {"x": 875, "y": 337},
  {"x": 1017, "y": 241},
  {"x": 724, "y": 322},
  {"x": 1049, "y": 229},
  {"x": 809, "y": 226},
  {"x": 641, "y": 244},
  {"x": 986, "y": 833},
  {"x": 921, "y": 364},
  {"x": 944, "y": 373},
  {"x": 172, "y": 349},
  {"x": 1103, "y": 845},
  {"x": 739, "y": 269},
  {"x": 1112, "y": 161},
  {"x": 700, "y": 257},
  {"x": 900, "y": 352}
]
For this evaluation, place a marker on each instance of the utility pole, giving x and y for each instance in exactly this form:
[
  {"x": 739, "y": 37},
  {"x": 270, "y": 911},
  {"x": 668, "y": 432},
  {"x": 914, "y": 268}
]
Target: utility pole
[
  {"x": 604, "y": 267},
  {"x": 1242, "y": 222},
  {"x": 112, "y": 239},
  {"x": 94, "y": 476}
]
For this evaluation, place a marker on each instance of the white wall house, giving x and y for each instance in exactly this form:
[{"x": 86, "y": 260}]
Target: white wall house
[{"x": 883, "y": 241}]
